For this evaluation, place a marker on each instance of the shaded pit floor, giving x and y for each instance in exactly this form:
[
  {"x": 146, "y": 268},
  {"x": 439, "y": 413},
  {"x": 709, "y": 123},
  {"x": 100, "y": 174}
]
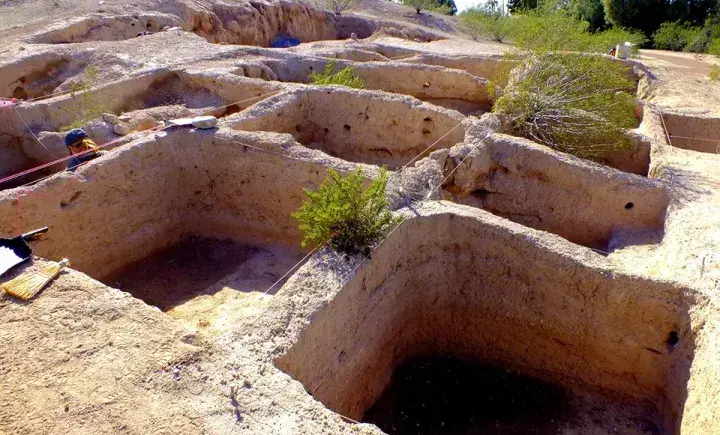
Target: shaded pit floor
[
  {"x": 207, "y": 283},
  {"x": 442, "y": 395}
]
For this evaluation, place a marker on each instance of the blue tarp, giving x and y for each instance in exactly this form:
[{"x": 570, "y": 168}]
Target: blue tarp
[{"x": 284, "y": 42}]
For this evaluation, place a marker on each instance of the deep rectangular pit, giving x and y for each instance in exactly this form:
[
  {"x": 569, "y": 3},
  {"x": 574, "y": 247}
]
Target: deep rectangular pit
[
  {"x": 692, "y": 132},
  {"x": 584, "y": 202},
  {"x": 141, "y": 103},
  {"x": 450, "y": 88},
  {"x": 128, "y": 219},
  {"x": 442, "y": 395},
  {"x": 359, "y": 126},
  {"x": 205, "y": 281},
  {"x": 611, "y": 349}
]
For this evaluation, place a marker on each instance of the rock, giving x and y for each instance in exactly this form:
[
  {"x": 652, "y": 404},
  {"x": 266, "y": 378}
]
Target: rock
[
  {"x": 111, "y": 119},
  {"x": 122, "y": 129},
  {"x": 205, "y": 122}
]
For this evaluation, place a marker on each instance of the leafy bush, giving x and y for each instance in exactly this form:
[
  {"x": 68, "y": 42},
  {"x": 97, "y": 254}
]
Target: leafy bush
[
  {"x": 344, "y": 77},
  {"x": 85, "y": 106},
  {"x": 714, "y": 47},
  {"x": 341, "y": 210},
  {"x": 675, "y": 36},
  {"x": 338, "y": 6},
  {"x": 558, "y": 31},
  {"x": 493, "y": 25},
  {"x": 574, "y": 103}
]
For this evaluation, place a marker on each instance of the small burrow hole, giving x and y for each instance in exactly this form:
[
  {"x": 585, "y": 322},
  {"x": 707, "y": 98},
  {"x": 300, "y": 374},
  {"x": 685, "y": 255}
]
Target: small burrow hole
[
  {"x": 346, "y": 127},
  {"x": 629, "y": 206},
  {"x": 672, "y": 340},
  {"x": 427, "y": 119}
]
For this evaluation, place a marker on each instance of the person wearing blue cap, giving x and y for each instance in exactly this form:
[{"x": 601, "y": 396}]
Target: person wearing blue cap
[{"x": 80, "y": 145}]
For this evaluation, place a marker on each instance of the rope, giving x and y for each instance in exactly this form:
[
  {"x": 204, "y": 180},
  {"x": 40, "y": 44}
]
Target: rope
[{"x": 154, "y": 129}]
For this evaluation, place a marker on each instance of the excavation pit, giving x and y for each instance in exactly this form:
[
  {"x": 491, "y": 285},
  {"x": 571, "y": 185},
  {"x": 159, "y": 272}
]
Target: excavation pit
[
  {"x": 581, "y": 201},
  {"x": 38, "y": 76},
  {"x": 204, "y": 281},
  {"x": 359, "y": 126},
  {"x": 440, "y": 395},
  {"x": 692, "y": 132},
  {"x": 467, "y": 286},
  {"x": 450, "y": 88}
]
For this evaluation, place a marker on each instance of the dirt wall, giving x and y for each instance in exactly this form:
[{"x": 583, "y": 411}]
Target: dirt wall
[
  {"x": 461, "y": 282},
  {"x": 142, "y": 197}
]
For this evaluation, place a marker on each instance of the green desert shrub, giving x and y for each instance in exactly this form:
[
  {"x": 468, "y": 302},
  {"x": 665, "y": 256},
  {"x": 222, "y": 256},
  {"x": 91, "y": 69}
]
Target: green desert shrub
[
  {"x": 428, "y": 5},
  {"x": 714, "y": 47},
  {"x": 575, "y": 103},
  {"x": 85, "y": 105},
  {"x": 344, "y": 77},
  {"x": 557, "y": 31},
  {"x": 675, "y": 36},
  {"x": 342, "y": 210},
  {"x": 493, "y": 25}
]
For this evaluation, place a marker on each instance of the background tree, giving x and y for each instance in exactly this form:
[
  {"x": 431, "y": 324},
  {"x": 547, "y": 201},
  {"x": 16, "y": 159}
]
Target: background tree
[
  {"x": 338, "y": 6},
  {"x": 515, "y": 6},
  {"x": 645, "y": 15},
  {"x": 591, "y": 11}
]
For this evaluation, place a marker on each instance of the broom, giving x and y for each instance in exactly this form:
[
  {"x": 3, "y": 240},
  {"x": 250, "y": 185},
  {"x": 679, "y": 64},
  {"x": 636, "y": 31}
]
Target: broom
[{"x": 29, "y": 284}]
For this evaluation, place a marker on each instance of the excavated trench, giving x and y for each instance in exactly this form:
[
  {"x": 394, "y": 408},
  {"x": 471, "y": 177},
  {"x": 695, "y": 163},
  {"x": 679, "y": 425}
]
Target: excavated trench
[
  {"x": 190, "y": 222},
  {"x": 450, "y": 88},
  {"x": 142, "y": 103},
  {"x": 359, "y": 126},
  {"x": 246, "y": 23},
  {"x": 38, "y": 76},
  {"x": 584, "y": 202},
  {"x": 692, "y": 132},
  {"x": 462, "y": 323}
]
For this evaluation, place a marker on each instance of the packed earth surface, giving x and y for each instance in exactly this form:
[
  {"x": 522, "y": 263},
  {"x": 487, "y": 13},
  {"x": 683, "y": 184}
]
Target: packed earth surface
[{"x": 524, "y": 290}]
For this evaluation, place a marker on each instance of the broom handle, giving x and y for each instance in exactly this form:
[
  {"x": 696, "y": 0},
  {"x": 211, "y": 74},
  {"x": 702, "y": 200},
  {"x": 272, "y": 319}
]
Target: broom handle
[{"x": 32, "y": 234}]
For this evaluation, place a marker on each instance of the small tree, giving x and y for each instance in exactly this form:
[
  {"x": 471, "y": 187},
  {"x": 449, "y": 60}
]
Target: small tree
[
  {"x": 338, "y": 6},
  {"x": 427, "y": 5},
  {"x": 341, "y": 210},
  {"x": 575, "y": 103},
  {"x": 85, "y": 106},
  {"x": 344, "y": 77},
  {"x": 487, "y": 23}
]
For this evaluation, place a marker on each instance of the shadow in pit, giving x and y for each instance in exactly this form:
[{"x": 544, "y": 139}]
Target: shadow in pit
[{"x": 183, "y": 271}]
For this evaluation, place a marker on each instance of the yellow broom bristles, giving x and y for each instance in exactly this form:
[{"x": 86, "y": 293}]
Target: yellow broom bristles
[{"x": 29, "y": 284}]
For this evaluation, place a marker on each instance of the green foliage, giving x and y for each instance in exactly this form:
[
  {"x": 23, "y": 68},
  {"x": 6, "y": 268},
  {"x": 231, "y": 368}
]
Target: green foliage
[
  {"x": 715, "y": 73},
  {"x": 427, "y": 5},
  {"x": 645, "y": 15},
  {"x": 344, "y": 77},
  {"x": 338, "y": 6},
  {"x": 714, "y": 47},
  {"x": 590, "y": 11},
  {"x": 675, "y": 36},
  {"x": 85, "y": 106},
  {"x": 575, "y": 103},
  {"x": 515, "y": 6},
  {"x": 342, "y": 210},
  {"x": 558, "y": 31},
  {"x": 494, "y": 25}
]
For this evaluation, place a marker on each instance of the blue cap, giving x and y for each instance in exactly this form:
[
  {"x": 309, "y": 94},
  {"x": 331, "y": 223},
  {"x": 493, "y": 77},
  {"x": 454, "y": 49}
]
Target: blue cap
[{"x": 74, "y": 136}]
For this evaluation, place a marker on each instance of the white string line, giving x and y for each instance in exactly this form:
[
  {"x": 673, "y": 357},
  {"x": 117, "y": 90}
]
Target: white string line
[{"x": 31, "y": 132}]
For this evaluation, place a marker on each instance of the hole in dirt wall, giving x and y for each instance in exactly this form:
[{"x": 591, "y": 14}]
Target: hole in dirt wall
[
  {"x": 492, "y": 301},
  {"x": 37, "y": 76}
]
